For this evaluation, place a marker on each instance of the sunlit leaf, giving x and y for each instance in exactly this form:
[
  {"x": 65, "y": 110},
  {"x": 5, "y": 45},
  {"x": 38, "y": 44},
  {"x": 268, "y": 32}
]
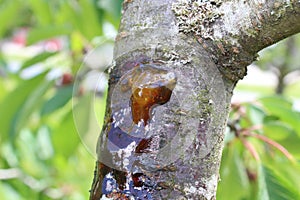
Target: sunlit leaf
[
  {"x": 65, "y": 137},
  {"x": 272, "y": 186},
  {"x": 282, "y": 108},
  {"x": 293, "y": 88},
  {"x": 289, "y": 171},
  {"x": 42, "y": 11},
  {"x": 77, "y": 42},
  {"x": 29, "y": 105},
  {"x": 67, "y": 13},
  {"x": 277, "y": 130},
  {"x": 8, "y": 192},
  {"x": 90, "y": 27},
  {"x": 274, "y": 101},
  {"x": 82, "y": 16},
  {"x": 2, "y": 89},
  {"x": 291, "y": 143},
  {"x": 11, "y": 104},
  {"x": 233, "y": 176},
  {"x": 47, "y": 32},
  {"x": 8, "y": 12}
]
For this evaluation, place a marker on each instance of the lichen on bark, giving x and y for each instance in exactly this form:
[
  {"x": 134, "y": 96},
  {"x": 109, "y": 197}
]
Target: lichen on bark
[{"x": 196, "y": 16}]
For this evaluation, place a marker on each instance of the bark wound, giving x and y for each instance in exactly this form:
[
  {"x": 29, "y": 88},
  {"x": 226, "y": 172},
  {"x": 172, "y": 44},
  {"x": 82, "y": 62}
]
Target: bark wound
[
  {"x": 150, "y": 87},
  {"x": 145, "y": 86}
]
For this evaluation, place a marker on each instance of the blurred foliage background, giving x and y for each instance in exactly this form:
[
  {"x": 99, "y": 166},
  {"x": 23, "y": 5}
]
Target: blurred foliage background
[
  {"x": 261, "y": 156},
  {"x": 52, "y": 54},
  {"x": 52, "y": 101}
]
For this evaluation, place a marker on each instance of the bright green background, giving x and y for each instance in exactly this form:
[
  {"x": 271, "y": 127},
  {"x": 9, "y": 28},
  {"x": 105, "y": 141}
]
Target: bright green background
[
  {"x": 42, "y": 155},
  {"x": 45, "y": 154}
]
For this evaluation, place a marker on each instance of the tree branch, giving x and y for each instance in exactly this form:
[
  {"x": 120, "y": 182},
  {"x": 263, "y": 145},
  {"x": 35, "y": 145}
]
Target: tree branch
[
  {"x": 234, "y": 31},
  {"x": 256, "y": 24}
]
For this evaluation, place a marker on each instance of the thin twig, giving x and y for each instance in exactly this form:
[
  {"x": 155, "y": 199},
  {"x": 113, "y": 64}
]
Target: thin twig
[
  {"x": 271, "y": 142},
  {"x": 250, "y": 148}
]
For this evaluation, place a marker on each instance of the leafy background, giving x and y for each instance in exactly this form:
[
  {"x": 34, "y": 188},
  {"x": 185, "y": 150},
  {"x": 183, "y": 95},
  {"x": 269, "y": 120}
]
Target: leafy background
[
  {"x": 44, "y": 49},
  {"x": 52, "y": 54}
]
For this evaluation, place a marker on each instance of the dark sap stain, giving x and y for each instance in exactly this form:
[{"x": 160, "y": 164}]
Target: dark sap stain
[
  {"x": 143, "y": 145},
  {"x": 113, "y": 184},
  {"x": 118, "y": 178},
  {"x": 137, "y": 179},
  {"x": 142, "y": 186},
  {"x": 104, "y": 169}
]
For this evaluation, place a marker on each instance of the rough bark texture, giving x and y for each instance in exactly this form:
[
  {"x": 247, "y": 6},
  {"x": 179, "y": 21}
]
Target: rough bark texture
[{"x": 202, "y": 48}]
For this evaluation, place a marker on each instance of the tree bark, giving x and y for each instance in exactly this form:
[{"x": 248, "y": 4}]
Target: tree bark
[{"x": 175, "y": 66}]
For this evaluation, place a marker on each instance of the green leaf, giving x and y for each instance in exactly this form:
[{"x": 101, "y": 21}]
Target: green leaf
[
  {"x": 3, "y": 90},
  {"x": 272, "y": 102},
  {"x": 77, "y": 42},
  {"x": 65, "y": 137},
  {"x": 8, "y": 13},
  {"x": 272, "y": 186},
  {"x": 8, "y": 192},
  {"x": 82, "y": 16},
  {"x": 11, "y": 104},
  {"x": 41, "y": 33},
  {"x": 38, "y": 58},
  {"x": 280, "y": 107},
  {"x": 277, "y": 130},
  {"x": 66, "y": 13},
  {"x": 28, "y": 107},
  {"x": 61, "y": 98},
  {"x": 291, "y": 143},
  {"x": 289, "y": 171},
  {"x": 233, "y": 176},
  {"x": 270, "y": 118},
  {"x": 41, "y": 9},
  {"x": 113, "y": 7},
  {"x": 91, "y": 27},
  {"x": 256, "y": 114}
]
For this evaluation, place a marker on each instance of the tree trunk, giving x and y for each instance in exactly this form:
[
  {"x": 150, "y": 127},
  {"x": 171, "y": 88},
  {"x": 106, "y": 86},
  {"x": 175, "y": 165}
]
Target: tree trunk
[{"x": 176, "y": 65}]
